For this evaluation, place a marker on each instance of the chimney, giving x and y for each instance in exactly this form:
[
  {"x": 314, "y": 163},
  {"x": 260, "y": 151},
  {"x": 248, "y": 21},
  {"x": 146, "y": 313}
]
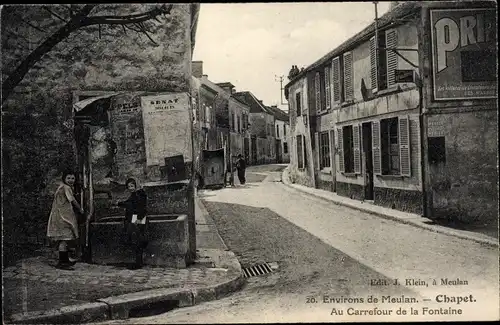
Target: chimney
[
  {"x": 197, "y": 68},
  {"x": 227, "y": 86},
  {"x": 394, "y": 4}
]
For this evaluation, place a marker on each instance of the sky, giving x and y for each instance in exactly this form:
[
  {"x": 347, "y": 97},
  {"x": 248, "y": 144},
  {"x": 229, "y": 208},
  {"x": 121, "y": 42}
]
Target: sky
[{"x": 252, "y": 44}]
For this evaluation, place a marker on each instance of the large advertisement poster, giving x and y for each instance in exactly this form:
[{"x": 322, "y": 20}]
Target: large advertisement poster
[
  {"x": 464, "y": 53},
  {"x": 167, "y": 127}
]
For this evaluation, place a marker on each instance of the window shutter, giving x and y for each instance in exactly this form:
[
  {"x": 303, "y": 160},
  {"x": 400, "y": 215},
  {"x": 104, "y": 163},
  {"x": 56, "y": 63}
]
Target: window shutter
[
  {"x": 348, "y": 76},
  {"x": 356, "y": 145},
  {"x": 377, "y": 157},
  {"x": 373, "y": 64},
  {"x": 336, "y": 79},
  {"x": 304, "y": 148},
  {"x": 332, "y": 150},
  {"x": 392, "y": 58},
  {"x": 316, "y": 141},
  {"x": 404, "y": 146},
  {"x": 328, "y": 94},
  {"x": 340, "y": 149},
  {"x": 317, "y": 86}
]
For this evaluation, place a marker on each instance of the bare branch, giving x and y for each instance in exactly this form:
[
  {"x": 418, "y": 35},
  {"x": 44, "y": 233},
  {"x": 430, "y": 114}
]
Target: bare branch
[
  {"x": 145, "y": 32},
  {"x": 80, "y": 19},
  {"x": 62, "y": 33},
  {"x": 130, "y": 19},
  {"x": 54, "y": 14}
]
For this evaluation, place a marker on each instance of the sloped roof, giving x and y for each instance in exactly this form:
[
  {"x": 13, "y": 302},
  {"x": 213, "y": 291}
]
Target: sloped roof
[
  {"x": 255, "y": 105},
  {"x": 390, "y": 17},
  {"x": 278, "y": 113}
]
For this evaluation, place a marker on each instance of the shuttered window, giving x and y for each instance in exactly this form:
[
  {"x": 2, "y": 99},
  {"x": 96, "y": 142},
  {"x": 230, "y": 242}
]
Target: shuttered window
[
  {"x": 298, "y": 104},
  {"x": 336, "y": 80},
  {"x": 392, "y": 58},
  {"x": 356, "y": 149},
  {"x": 391, "y": 146},
  {"x": 404, "y": 146},
  {"x": 300, "y": 152},
  {"x": 376, "y": 152},
  {"x": 324, "y": 149},
  {"x": 328, "y": 95},
  {"x": 348, "y": 76},
  {"x": 373, "y": 64},
  {"x": 340, "y": 151},
  {"x": 317, "y": 87}
]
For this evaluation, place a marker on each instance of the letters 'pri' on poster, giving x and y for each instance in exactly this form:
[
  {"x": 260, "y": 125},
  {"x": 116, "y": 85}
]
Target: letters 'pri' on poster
[
  {"x": 167, "y": 127},
  {"x": 464, "y": 53}
]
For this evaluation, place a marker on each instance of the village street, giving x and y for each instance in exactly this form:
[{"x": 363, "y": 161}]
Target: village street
[{"x": 324, "y": 251}]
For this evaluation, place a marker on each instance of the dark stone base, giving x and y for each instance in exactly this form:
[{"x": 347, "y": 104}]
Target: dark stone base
[
  {"x": 353, "y": 191},
  {"x": 324, "y": 185},
  {"x": 402, "y": 200}
]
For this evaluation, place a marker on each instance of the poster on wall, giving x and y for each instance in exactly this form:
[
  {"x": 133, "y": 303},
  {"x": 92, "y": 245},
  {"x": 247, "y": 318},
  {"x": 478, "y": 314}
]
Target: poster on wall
[
  {"x": 127, "y": 129},
  {"x": 464, "y": 53},
  {"x": 167, "y": 127}
]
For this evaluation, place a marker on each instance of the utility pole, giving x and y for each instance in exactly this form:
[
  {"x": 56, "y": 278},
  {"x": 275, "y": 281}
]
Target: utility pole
[{"x": 281, "y": 87}]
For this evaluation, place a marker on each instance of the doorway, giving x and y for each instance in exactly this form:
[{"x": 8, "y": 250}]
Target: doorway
[
  {"x": 367, "y": 150},
  {"x": 253, "y": 145},
  {"x": 279, "y": 158}
]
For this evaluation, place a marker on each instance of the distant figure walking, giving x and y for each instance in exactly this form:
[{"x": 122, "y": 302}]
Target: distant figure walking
[
  {"x": 135, "y": 222},
  {"x": 241, "y": 165},
  {"x": 63, "y": 223}
]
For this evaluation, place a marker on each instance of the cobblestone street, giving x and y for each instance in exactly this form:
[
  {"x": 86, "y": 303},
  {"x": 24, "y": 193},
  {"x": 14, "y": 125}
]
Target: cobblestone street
[{"x": 327, "y": 250}]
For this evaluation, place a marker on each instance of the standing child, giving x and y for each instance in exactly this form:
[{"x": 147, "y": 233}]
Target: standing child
[
  {"x": 135, "y": 224},
  {"x": 63, "y": 223}
]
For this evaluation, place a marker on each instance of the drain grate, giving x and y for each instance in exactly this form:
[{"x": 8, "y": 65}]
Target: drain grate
[{"x": 259, "y": 269}]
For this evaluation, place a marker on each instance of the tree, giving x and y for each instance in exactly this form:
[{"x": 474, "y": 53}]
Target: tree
[{"x": 79, "y": 17}]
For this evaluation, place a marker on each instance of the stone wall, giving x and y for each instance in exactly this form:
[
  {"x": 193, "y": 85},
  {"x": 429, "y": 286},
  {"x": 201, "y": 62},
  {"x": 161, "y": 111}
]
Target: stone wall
[{"x": 37, "y": 145}]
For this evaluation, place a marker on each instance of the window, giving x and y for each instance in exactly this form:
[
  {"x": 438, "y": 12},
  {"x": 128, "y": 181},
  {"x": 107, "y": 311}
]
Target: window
[
  {"x": 348, "y": 77},
  {"x": 324, "y": 147},
  {"x": 285, "y": 147},
  {"x": 233, "y": 122},
  {"x": 298, "y": 102},
  {"x": 478, "y": 66},
  {"x": 391, "y": 146},
  {"x": 284, "y": 130},
  {"x": 437, "y": 150},
  {"x": 300, "y": 152},
  {"x": 277, "y": 131},
  {"x": 317, "y": 88},
  {"x": 348, "y": 149},
  {"x": 383, "y": 62},
  {"x": 328, "y": 95},
  {"x": 239, "y": 124}
]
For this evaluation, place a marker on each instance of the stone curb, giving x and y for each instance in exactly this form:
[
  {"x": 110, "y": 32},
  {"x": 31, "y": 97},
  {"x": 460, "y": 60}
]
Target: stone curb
[
  {"x": 118, "y": 307},
  {"x": 207, "y": 216},
  {"x": 483, "y": 241}
]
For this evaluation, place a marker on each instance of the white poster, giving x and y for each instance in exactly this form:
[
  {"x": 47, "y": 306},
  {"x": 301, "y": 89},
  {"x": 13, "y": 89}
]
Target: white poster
[{"x": 167, "y": 128}]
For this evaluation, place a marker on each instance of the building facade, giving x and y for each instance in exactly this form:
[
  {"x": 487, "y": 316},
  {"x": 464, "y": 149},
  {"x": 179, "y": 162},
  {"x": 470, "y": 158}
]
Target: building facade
[
  {"x": 391, "y": 119},
  {"x": 282, "y": 132},
  {"x": 261, "y": 130}
]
